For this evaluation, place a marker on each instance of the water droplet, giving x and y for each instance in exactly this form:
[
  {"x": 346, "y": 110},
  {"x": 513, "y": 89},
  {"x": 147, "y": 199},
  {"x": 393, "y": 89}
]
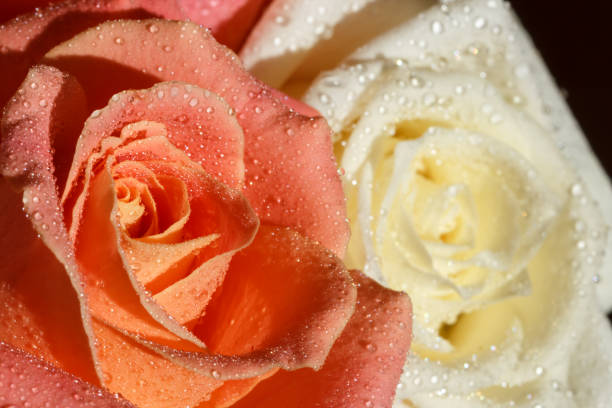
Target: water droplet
[
  {"x": 576, "y": 189},
  {"x": 152, "y": 28},
  {"x": 416, "y": 81},
  {"x": 480, "y": 23},
  {"x": 371, "y": 347},
  {"x": 43, "y": 103},
  {"x": 436, "y": 27},
  {"x": 119, "y": 41},
  {"x": 215, "y": 374},
  {"x": 37, "y": 216},
  {"x": 193, "y": 102}
]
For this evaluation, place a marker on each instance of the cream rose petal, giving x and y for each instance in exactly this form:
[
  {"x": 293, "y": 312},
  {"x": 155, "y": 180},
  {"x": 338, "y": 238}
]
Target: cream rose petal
[
  {"x": 466, "y": 65},
  {"x": 479, "y": 36},
  {"x": 300, "y": 38}
]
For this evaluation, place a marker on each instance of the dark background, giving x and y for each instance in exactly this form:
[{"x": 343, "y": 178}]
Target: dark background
[{"x": 575, "y": 39}]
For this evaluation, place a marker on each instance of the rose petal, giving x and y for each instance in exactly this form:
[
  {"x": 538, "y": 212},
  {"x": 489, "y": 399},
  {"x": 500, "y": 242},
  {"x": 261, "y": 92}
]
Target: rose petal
[
  {"x": 186, "y": 299},
  {"x": 298, "y": 106},
  {"x": 25, "y": 39},
  {"x": 26, "y": 379},
  {"x": 146, "y": 378},
  {"x": 149, "y": 379},
  {"x": 230, "y": 21},
  {"x": 113, "y": 285},
  {"x": 289, "y": 47},
  {"x": 257, "y": 308},
  {"x": 39, "y": 308},
  {"x": 259, "y": 320},
  {"x": 251, "y": 325},
  {"x": 363, "y": 366},
  {"x": 10, "y": 9},
  {"x": 34, "y": 284},
  {"x": 288, "y": 157},
  {"x": 196, "y": 120}
]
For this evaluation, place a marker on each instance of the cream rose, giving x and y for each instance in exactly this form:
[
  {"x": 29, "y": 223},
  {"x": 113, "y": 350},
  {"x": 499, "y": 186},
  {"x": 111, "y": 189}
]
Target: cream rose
[{"x": 469, "y": 186}]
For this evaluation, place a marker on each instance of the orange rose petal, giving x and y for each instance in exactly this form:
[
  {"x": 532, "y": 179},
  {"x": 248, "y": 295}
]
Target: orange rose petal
[
  {"x": 42, "y": 290},
  {"x": 193, "y": 119},
  {"x": 160, "y": 265},
  {"x": 229, "y": 21},
  {"x": 26, "y": 381},
  {"x": 290, "y": 307},
  {"x": 260, "y": 320},
  {"x": 216, "y": 211},
  {"x": 39, "y": 307},
  {"x": 214, "y": 208},
  {"x": 138, "y": 214},
  {"x": 146, "y": 378},
  {"x": 173, "y": 214},
  {"x": 151, "y": 380},
  {"x": 24, "y": 40},
  {"x": 113, "y": 285},
  {"x": 186, "y": 299},
  {"x": 364, "y": 365},
  {"x": 113, "y": 296},
  {"x": 233, "y": 390},
  {"x": 168, "y": 210},
  {"x": 291, "y": 172}
]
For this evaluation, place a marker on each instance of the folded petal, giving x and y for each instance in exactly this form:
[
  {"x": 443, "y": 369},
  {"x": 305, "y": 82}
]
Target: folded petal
[
  {"x": 363, "y": 366},
  {"x": 115, "y": 285},
  {"x": 25, "y": 39},
  {"x": 145, "y": 377},
  {"x": 293, "y": 42},
  {"x": 288, "y": 157},
  {"x": 33, "y": 382},
  {"x": 271, "y": 311},
  {"x": 194, "y": 120},
  {"x": 230, "y": 21},
  {"x": 258, "y": 321},
  {"x": 44, "y": 310},
  {"x": 151, "y": 380},
  {"x": 260, "y": 306},
  {"x": 10, "y": 9}
]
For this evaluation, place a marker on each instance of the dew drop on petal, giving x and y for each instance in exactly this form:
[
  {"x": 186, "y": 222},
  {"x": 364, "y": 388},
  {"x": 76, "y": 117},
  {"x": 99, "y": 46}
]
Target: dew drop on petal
[{"x": 436, "y": 27}]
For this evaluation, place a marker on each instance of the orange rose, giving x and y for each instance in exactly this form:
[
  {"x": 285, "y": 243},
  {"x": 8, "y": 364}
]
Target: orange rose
[{"x": 188, "y": 232}]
